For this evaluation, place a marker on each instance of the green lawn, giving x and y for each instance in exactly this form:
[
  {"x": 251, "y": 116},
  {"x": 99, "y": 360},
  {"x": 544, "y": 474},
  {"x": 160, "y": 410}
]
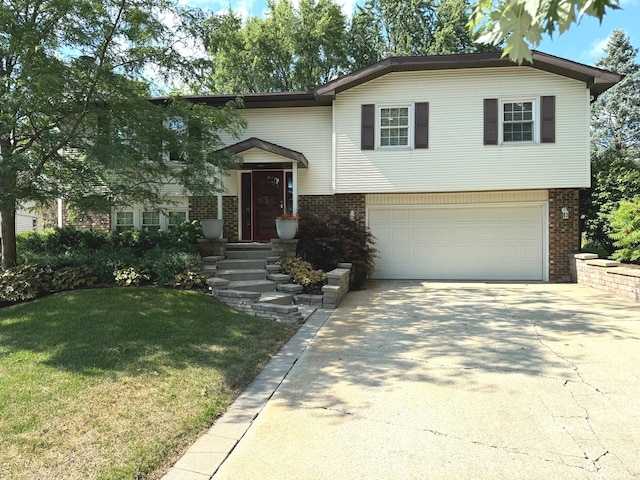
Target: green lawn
[{"x": 115, "y": 383}]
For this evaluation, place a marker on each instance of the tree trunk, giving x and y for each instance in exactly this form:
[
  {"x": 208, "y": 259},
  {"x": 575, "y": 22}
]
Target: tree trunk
[{"x": 9, "y": 252}]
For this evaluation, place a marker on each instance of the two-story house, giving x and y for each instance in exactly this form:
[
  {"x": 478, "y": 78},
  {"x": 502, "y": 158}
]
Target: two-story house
[{"x": 464, "y": 167}]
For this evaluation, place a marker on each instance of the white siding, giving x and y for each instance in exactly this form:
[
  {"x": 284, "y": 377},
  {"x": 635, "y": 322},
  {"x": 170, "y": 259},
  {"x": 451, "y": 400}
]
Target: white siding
[
  {"x": 304, "y": 129},
  {"x": 456, "y": 159}
]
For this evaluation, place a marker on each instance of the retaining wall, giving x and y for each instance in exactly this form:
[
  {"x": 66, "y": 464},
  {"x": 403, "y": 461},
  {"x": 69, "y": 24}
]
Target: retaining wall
[{"x": 606, "y": 275}]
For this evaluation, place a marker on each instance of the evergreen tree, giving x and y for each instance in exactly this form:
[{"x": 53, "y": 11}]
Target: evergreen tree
[{"x": 615, "y": 142}]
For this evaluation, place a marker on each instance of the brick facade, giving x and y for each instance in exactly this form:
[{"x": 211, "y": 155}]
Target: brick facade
[
  {"x": 207, "y": 207},
  {"x": 564, "y": 234},
  {"x": 339, "y": 204},
  {"x": 92, "y": 221}
]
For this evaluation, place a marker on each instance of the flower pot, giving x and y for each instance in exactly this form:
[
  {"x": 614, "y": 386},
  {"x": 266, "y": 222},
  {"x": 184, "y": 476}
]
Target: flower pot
[
  {"x": 211, "y": 228},
  {"x": 286, "y": 229}
]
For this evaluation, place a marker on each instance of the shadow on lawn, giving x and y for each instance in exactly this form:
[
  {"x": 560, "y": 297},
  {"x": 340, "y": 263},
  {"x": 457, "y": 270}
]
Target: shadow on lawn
[{"x": 136, "y": 331}]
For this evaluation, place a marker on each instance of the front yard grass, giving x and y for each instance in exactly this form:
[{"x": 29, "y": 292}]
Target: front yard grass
[{"x": 114, "y": 383}]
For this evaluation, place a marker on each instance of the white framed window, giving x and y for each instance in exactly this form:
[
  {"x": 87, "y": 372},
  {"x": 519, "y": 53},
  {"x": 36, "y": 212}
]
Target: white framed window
[
  {"x": 124, "y": 221},
  {"x": 175, "y": 218},
  {"x": 150, "y": 221},
  {"x": 518, "y": 121},
  {"x": 394, "y": 126}
]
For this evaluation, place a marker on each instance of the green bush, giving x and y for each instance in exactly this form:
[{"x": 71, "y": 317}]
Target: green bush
[
  {"x": 165, "y": 264},
  {"x": 132, "y": 277},
  {"x": 71, "y": 278},
  {"x": 625, "y": 231},
  {"x": 25, "y": 282},
  {"x": 326, "y": 240},
  {"x": 191, "y": 278},
  {"x": 302, "y": 273}
]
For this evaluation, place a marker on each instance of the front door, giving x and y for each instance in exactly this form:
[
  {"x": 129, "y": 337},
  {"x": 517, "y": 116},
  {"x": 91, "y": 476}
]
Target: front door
[{"x": 268, "y": 203}]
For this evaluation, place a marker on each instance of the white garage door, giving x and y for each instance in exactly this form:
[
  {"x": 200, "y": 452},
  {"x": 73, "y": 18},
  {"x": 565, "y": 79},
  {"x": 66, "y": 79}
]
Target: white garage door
[{"x": 456, "y": 242}]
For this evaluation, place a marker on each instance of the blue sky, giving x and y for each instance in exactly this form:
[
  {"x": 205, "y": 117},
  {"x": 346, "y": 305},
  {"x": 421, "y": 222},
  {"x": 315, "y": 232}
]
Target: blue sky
[{"x": 583, "y": 43}]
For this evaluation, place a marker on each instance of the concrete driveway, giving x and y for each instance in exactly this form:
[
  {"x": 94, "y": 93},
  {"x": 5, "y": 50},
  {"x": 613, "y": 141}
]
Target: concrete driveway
[{"x": 423, "y": 380}]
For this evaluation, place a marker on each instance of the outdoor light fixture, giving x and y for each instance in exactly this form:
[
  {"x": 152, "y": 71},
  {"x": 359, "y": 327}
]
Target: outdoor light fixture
[
  {"x": 565, "y": 212},
  {"x": 352, "y": 215}
]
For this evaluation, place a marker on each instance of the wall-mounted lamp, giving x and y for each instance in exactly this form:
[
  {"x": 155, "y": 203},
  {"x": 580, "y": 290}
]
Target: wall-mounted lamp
[
  {"x": 565, "y": 212},
  {"x": 352, "y": 215}
]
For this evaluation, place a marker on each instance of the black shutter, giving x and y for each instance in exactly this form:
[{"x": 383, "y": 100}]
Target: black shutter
[
  {"x": 367, "y": 129},
  {"x": 491, "y": 121},
  {"x": 548, "y": 120},
  {"x": 422, "y": 125}
]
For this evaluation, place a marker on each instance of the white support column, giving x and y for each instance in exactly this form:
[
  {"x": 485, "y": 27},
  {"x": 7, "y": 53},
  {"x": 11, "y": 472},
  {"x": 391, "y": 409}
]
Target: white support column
[
  {"x": 60, "y": 219},
  {"x": 294, "y": 177},
  {"x": 219, "y": 197}
]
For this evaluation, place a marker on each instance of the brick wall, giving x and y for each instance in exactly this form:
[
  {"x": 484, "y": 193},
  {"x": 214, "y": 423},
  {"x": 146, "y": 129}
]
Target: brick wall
[
  {"x": 564, "y": 234},
  {"x": 339, "y": 204},
  {"x": 207, "y": 207},
  {"x": 606, "y": 275},
  {"x": 94, "y": 221}
]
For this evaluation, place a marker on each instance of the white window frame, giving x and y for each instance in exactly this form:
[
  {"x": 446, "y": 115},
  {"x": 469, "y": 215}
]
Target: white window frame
[
  {"x": 410, "y": 126},
  {"x": 169, "y": 124},
  {"x": 535, "y": 121},
  {"x": 144, "y": 226},
  {"x": 138, "y": 215},
  {"x": 132, "y": 225}
]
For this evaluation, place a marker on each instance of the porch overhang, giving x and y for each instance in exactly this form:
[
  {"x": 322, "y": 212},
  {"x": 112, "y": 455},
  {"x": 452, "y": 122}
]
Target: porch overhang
[{"x": 268, "y": 147}]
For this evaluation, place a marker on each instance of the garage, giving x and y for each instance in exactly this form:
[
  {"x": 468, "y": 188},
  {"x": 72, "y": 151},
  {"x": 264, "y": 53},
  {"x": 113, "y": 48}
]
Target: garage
[{"x": 478, "y": 241}]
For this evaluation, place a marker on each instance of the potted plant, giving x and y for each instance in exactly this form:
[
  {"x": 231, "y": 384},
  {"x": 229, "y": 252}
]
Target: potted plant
[{"x": 287, "y": 225}]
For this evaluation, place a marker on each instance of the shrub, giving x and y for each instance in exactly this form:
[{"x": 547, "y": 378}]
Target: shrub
[
  {"x": 191, "y": 278},
  {"x": 625, "y": 230},
  {"x": 164, "y": 265},
  {"x": 25, "y": 282},
  {"x": 131, "y": 277},
  {"x": 71, "y": 278},
  {"x": 326, "y": 240},
  {"x": 302, "y": 273}
]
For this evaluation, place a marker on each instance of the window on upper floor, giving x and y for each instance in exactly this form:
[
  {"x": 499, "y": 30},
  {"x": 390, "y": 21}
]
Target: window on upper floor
[
  {"x": 512, "y": 121},
  {"x": 394, "y": 126},
  {"x": 518, "y": 122}
]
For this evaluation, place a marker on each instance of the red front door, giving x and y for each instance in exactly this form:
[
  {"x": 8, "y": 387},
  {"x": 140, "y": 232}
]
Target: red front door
[{"x": 268, "y": 203}]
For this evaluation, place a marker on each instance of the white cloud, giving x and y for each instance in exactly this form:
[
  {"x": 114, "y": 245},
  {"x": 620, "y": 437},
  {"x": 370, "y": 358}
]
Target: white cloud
[{"x": 596, "y": 49}]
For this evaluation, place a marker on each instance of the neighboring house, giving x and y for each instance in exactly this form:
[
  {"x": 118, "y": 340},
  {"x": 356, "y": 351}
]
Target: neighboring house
[
  {"x": 26, "y": 220},
  {"x": 461, "y": 165}
]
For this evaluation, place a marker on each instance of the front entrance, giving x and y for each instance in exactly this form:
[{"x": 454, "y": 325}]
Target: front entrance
[{"x": 265, "y": 195}]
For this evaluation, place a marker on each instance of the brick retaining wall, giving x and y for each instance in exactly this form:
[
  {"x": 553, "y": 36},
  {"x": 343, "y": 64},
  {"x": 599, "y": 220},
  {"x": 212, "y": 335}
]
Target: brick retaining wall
[{"x": 606, "y": 275}]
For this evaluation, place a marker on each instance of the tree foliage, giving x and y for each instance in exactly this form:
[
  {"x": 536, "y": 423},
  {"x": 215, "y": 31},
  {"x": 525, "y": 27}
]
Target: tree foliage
[
  {"x": 75, "y": 116},
  {"x": 520, "y": 24},
  {"x": 625, "y": 230},
  {"x": 615, "y": 142},
  {"x": 290, "y": 49},
  {"x": 299, "y": 48}
]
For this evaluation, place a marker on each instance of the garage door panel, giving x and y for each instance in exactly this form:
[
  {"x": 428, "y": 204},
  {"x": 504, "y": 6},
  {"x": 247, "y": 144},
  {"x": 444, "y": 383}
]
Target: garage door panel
[{"x": 497, "y": 242}]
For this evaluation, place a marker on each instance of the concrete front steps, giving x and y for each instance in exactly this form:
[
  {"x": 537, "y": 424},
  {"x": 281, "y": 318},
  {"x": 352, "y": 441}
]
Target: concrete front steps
[{"x": 248, "y": 279}]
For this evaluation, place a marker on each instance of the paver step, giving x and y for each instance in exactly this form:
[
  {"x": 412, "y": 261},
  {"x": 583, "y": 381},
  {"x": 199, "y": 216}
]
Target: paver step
[
  {"x": 243, "y": 274},
  {"x": 247, "y": 254},
  {"x": 239, "y": 263},
  {"x": 276, "y": 297},
  {"x": 252, "y": 285}
]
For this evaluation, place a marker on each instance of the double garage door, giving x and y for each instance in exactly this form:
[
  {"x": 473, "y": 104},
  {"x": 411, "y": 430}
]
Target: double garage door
[{"x": 459, "y": 242}]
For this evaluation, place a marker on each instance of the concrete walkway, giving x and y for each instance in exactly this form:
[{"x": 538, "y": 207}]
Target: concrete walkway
[{"x": 420, "y": 380}]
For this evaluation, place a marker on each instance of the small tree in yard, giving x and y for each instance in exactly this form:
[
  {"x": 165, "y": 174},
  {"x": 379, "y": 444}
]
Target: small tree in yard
[
  {"x": 625, "y": 230},
  {"x": 326, "y": 240},
  {"x": 75, "y": 116}
]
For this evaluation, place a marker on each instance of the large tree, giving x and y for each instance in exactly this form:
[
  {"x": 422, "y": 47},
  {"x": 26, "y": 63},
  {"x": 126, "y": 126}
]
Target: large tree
[
  {"x": 290, "y": 49},
  {"x": 615, "y": 141},
  {"x": 387, "y": 28},
  {"x": 75, "y": 115},
  {"x": 520, "y": 24}
]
